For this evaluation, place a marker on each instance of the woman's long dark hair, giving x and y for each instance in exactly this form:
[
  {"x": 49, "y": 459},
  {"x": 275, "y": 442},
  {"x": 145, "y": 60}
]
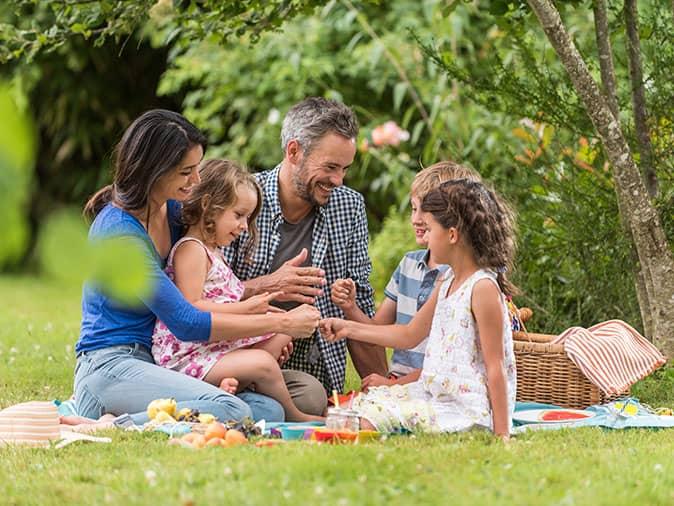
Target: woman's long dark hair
[{"x": 152, "y": 146}]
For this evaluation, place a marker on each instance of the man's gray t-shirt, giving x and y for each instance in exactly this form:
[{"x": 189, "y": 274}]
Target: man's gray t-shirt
[{"x": 294, "y": 237}]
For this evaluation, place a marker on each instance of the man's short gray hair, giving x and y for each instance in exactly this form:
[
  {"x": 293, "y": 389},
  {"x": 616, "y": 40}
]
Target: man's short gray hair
[{"x": 312, "y": 118}]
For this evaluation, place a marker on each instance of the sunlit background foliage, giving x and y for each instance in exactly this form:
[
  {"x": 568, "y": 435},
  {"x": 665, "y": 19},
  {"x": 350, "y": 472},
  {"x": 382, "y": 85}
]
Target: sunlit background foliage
[{"x": 473, "y": 82}]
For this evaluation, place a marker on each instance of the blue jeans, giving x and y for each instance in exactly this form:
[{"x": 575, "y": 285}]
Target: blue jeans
[{"x": 124, "y": 379}]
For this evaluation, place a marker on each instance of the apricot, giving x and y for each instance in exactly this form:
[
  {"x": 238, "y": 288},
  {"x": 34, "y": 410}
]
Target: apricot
[
  {"x": 234, "y": 438},
  {"x": 196, "y": 440},
  {"x": 189, "y": 437},
  {"x": 215, "y": 430},
  {"x": 199, "y": 441},
  {"x": 215, "y": 441}
]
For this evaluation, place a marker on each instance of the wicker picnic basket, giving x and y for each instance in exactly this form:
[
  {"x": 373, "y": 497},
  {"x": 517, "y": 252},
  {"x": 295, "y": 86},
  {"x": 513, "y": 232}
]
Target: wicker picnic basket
[{"x": 546, "y": 374}]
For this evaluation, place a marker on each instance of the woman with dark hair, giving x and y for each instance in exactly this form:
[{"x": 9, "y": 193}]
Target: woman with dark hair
[{"x": 155, "y": 165}]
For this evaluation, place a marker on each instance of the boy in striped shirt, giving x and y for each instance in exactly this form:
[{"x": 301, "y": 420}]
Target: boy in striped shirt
[{"x": 411, "y": 284}]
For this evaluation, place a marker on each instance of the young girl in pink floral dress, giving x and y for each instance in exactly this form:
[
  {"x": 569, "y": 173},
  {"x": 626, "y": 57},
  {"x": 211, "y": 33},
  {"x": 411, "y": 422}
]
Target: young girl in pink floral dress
[
  {"x": 468, "y": 376},
  {"x": 223, "y": 205}
]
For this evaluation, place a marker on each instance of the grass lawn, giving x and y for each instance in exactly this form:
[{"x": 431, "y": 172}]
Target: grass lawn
[{"x": 39, "y": 326}]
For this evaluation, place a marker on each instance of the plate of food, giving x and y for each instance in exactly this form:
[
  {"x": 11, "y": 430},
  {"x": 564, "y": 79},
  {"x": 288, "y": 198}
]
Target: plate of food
[{"x": 552, "y": 415}]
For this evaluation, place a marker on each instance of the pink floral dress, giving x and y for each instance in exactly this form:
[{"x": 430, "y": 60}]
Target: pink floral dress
[
  {"x": 451, "y": 393},
  {"x": 193, "y": 358}
]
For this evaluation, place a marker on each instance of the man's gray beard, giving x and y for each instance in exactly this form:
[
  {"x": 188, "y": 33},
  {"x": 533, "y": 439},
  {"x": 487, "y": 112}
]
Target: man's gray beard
[{"x": 303, "y": 190}]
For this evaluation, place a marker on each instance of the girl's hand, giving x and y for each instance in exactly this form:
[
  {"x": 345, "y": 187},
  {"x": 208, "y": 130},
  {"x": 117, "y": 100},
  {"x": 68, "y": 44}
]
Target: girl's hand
[
  {"x": 286, "y": 351},
  {"x": 343, "y": 294},
  {"x": 333, "y": 329},
  {"x": 375, "y": 380},
  {"x": 301, "y": 321},
  {"x": 259, "y": 304}
]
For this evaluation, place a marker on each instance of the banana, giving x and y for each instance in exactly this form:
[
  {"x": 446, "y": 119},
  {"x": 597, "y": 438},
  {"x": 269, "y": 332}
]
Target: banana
[
  {"x": 167, "y": 406},
  {"x": 184, "y": 414},
  {"x": 164, "y": 417},
  {"x": 206, "y": 418}
]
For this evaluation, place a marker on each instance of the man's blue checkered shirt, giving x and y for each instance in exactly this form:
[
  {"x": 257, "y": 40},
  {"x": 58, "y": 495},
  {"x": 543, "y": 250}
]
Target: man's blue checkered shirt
[{"x": 339, "y": 247}]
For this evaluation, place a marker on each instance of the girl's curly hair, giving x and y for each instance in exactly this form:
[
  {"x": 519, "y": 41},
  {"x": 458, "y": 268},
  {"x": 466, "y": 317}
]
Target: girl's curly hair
[
  {"x": 217, "y": 191},
  {"x": 484, "y": 219}
]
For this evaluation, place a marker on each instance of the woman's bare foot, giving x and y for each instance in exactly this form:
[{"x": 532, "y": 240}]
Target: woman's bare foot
[{"x": 229, "y": 385}]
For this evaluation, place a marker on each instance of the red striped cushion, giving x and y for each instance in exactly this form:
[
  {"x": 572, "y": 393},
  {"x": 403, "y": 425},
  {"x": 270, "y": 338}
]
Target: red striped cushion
[{"x": 612, "y": 354}]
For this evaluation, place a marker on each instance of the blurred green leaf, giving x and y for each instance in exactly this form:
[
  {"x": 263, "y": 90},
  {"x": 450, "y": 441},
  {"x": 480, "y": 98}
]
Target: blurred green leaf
[
  {"x": 63, "y": 247},
  {"x": 16, "y": 165},
  {"x": 118, "y": 264},
  {"x": 399, "y": 91}
]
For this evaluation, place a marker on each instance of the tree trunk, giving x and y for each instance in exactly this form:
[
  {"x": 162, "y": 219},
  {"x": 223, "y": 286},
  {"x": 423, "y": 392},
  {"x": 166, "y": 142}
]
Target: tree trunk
[
  {"x": 605, "y": 56},
  {"x": 639, "y": 97},
  {"x": 609, "y": 82},
  {"x": 649, "y": 238}
]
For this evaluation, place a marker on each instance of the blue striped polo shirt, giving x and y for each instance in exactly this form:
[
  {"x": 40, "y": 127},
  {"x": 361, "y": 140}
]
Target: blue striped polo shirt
[{"x": 410, "y": 287}]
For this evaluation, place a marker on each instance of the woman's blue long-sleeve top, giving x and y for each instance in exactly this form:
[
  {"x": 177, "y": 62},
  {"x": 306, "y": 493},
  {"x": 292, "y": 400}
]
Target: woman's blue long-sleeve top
[{"x": 106, "y": 322}]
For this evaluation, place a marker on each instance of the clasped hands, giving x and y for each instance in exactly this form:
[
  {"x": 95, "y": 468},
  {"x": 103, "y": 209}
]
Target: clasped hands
[{"x": 333, "y": 329}]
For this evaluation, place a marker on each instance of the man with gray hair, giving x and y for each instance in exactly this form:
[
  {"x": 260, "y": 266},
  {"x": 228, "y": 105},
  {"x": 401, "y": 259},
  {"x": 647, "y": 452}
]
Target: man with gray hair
[{"x": 313, "y": 231}]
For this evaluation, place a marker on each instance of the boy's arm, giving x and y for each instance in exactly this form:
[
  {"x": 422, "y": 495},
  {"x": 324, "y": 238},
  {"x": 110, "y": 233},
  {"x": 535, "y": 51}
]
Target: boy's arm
[
  {"x": 385, "y": 315},
  {"x": 376, "y": 380},
  {"x": 399, "y": 336},
  {"x": 486, "y": 307},
  {"x": 408, "y": 378}
]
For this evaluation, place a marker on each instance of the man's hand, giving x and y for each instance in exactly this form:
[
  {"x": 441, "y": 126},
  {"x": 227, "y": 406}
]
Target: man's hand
[
  {"x": 301, "y": 321},
  {"x": 343, "y": 294},
  {"x": 259, "y": 304},
  {"x": 333, "y": 329},
  {"x": 297, "y": 283},
  {"x": 375, "y": 380}
]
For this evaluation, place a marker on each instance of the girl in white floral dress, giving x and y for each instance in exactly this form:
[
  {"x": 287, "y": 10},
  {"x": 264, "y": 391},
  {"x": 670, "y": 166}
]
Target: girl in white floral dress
[
  {"x": 468, "y": 377},
  {"x": 223, "y": 205}
]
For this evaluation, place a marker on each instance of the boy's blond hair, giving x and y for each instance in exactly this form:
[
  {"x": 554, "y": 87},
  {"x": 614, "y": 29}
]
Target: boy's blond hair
[{"x": 432, "y": 176}]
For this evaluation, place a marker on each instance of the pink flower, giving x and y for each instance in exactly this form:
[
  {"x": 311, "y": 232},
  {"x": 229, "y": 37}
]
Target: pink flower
[{"x": 389, "y": 134}]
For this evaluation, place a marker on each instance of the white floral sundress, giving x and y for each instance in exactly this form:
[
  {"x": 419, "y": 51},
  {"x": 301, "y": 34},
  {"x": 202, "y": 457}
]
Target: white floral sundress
[
  {"x": 451, "y": 393},
  {"x": 193, "y": 358}
]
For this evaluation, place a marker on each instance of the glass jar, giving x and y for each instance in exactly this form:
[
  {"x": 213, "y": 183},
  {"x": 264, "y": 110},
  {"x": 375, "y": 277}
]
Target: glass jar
[{"x": 342, "y": 419}]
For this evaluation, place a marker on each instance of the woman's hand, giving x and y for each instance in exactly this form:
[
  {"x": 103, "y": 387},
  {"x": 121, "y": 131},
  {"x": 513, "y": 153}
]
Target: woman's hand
[
  {"x": 343, "y": 294},
  {"x": 301, "y": 321},
  {"x": 334, "y": 329},
  {"x": 259, "y": 304}
]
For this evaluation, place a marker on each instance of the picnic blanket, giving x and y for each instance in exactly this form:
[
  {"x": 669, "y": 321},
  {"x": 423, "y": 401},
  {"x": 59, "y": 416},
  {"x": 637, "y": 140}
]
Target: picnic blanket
[
  {"x": 611, "y": 354},
  {"x": 620, "y": 414}
]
